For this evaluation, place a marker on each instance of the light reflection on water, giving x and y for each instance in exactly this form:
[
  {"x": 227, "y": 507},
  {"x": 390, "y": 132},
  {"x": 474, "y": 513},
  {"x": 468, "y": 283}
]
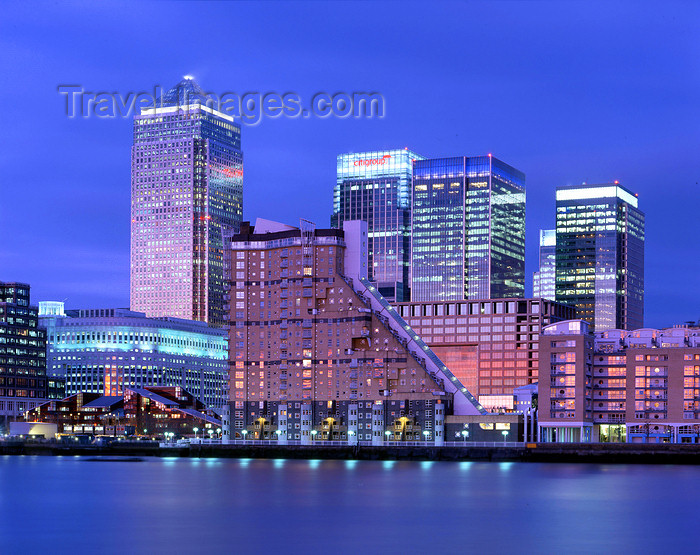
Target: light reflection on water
[{"x": 259, "y": 505}]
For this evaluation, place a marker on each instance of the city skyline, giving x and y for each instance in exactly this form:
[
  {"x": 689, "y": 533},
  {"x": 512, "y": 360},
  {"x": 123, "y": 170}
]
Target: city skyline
[{"x": 565, "y": 129}]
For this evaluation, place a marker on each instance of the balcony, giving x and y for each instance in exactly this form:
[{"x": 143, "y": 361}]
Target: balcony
[{"x": 610, "y": 418}]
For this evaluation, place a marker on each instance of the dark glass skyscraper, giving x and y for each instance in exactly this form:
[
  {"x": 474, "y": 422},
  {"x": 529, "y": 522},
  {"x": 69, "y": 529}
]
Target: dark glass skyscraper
[
  {"x": 376, "y": 187},
  {"x": 600, "y": 255},
  {"x": 186, "y": 192},
  {"x": 22, "y": 354},
  {"x": 468, "y": 229},
  {"x": 544, "y": 278}
]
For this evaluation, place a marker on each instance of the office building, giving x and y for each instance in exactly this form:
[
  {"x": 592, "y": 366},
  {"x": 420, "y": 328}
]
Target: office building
[
  {"x": 640, "y": 386},
  {"x": 491, "y": 345},
  {"x": 107, "y": 350},
  {"x": 376, "y": 187},
  {"x": 543, "y": 280},
  {"x": 22, "y": 354},
  {"x": 186, "y": 194},
  {"x": 600, "y": 255},
  {"x": 468, "y": 230},
  {"x": 316, "y": 353}
]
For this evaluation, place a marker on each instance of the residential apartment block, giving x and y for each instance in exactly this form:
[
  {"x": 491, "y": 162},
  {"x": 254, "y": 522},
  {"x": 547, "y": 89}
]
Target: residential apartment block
[
  {"x": 316, "y": 353},
  {"x": 617, "y": 385}
]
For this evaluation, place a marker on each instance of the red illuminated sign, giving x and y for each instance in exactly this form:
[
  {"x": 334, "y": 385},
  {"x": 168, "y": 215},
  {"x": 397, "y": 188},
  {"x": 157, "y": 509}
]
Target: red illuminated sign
[{"x": 373, "y": 161}]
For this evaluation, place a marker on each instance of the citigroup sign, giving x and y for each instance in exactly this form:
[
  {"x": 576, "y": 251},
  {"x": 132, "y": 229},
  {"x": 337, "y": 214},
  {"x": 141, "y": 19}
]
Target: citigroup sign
[
  {"x": 372, "y": 161},
  {"x": 371, "y": 164}
]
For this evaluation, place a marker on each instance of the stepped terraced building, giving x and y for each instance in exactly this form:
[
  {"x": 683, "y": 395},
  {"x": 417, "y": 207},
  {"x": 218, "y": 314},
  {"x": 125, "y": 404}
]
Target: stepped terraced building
[{"x": 317, "y": 354}]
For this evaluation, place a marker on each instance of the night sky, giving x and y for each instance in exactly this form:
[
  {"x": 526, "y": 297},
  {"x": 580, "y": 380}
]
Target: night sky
[{"x": 565, "y": 92}]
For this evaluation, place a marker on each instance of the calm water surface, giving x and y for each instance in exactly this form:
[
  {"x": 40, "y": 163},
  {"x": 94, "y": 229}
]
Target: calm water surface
[{"x": 66, "y": 504}]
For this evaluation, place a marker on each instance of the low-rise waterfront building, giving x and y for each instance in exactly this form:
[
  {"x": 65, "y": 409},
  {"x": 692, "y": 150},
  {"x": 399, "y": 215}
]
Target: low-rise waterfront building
[
  {"x": 491, "y": 345},
  {"x": 148, "y": 411},
  {"x": 107, "y": 350},
  {"x": 22, "y": 354},
  {"x": 640, "y": 386}
]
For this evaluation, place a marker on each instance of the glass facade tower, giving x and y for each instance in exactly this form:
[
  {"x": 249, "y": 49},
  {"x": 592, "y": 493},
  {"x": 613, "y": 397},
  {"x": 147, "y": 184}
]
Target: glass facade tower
[
  {"x": 543, "y": 279},
  {"x": 600, "y": 255},
  {"x": 186, "y": 193},
  {"x": 376, "y": 187},
  {"x": 468, "y": 229}
]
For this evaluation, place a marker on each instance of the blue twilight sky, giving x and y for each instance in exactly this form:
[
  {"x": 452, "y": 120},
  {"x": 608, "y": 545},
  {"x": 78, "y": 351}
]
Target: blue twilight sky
[{"x": 564, "y": 91}]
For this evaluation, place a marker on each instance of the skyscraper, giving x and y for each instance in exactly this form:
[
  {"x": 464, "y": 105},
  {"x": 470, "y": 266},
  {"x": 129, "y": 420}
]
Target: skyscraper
[
  {"x": 543, "y": 279},
  {"x": 600, "y": 255},
  {"x": 376, "y": 187},
  {"x": 22, "y": 354},
  {"x": 186, "y": 192},
  {"x": 468, "y": 229}
]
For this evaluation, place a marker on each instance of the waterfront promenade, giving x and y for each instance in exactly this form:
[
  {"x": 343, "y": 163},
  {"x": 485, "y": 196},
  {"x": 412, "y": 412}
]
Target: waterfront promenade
[{"x": 626, "y": 453}]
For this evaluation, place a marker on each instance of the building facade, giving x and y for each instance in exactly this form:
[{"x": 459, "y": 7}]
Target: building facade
[
  {"x": 186, "y": 194},
  {"x": 600, "y": 255},
  {"x": 316, "y": 353},
  {"x": 544, "y": 279},
  {"x": 640, "y": 386},
  {"x": 149, "y": 412},
  {"x": 107, "y": 350},
  {"x": 23, "y": 383},
  {"x": 468, "y": 229},
  {"x": 491, "y": 345},
  {"x": 376, "y": 187}
]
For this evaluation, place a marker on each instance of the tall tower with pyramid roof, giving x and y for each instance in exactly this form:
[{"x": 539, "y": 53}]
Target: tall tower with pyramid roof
[{"x": 186, "y": 193}]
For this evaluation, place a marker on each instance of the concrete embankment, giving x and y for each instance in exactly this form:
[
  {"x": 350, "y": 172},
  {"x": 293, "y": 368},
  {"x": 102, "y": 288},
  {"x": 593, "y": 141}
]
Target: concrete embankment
[{"x": 565, "y": 453}]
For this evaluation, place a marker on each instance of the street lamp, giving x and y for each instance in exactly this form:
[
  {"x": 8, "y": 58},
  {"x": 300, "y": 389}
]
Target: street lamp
[
  {"x": 245, "y": 433},
  {"x": 465, "y": 435},
  {"x": 388, "y": 435},
  {"x": 195, "y": 430},
  {"x": 210, "y": 432},
  {"x": 313, "y": 434},
  {"x": 279, "y": 433},
  {"x": 426, "y": 433},
  {"x": 218, "y": 431},
  {"x": 505, "y": 435}
]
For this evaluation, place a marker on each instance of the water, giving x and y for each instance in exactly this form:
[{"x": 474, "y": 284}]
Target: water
[{"x": 72, "y": 504}]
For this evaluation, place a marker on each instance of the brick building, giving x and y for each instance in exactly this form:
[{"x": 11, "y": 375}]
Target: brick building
[
  {"x": 617, "y": 385},
  {"x": 491, "y": 345},
  {"x": 316, "y": 353}
]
